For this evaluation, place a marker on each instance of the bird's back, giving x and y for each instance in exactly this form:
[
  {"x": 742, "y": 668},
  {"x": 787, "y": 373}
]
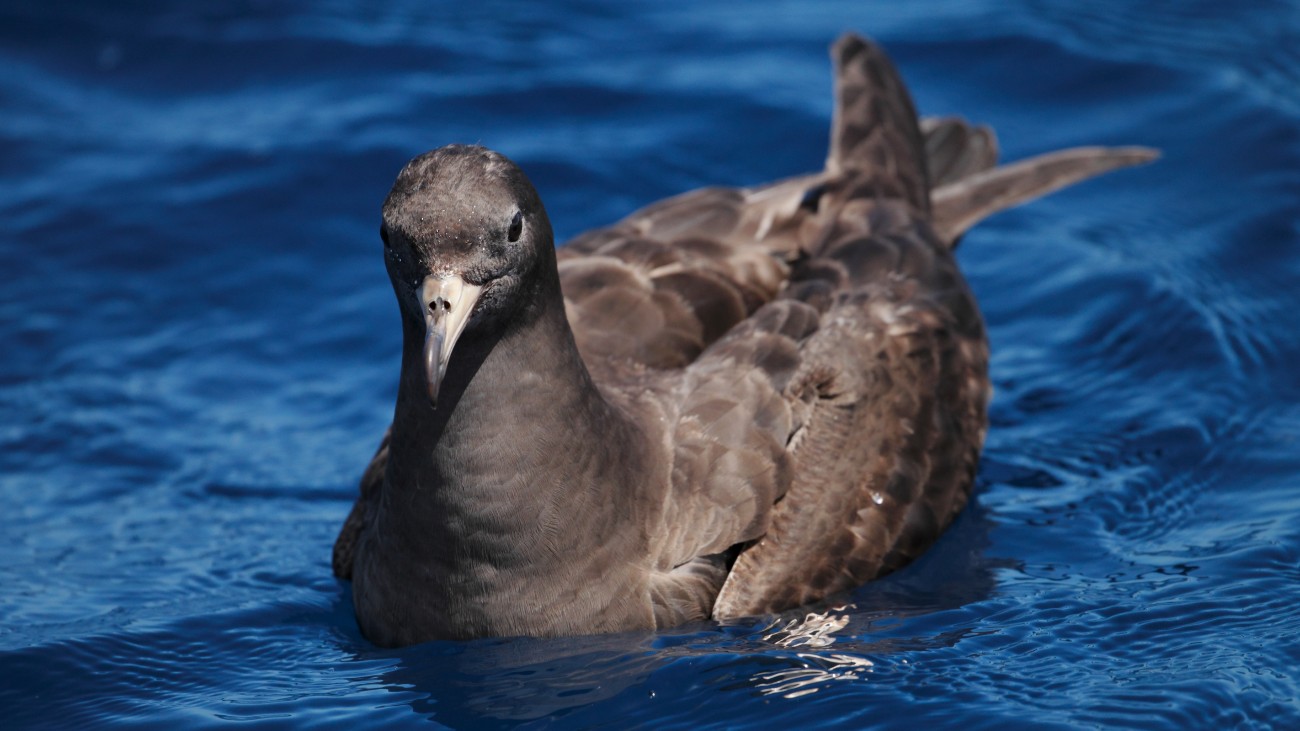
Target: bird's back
[{"x": 823, "y": 347}]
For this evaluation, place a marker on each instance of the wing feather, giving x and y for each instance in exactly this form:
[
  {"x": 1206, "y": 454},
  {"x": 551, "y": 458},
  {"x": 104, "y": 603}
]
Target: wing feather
[{"x": 345, "y": 546}]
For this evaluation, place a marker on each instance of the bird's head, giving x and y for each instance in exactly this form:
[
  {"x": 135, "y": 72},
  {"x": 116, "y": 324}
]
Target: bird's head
[{"x": 465, "y": 235}]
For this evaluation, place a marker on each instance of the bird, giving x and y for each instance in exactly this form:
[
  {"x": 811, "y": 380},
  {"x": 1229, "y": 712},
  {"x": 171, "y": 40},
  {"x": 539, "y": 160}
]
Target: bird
[{"x": 732, "y": 402}]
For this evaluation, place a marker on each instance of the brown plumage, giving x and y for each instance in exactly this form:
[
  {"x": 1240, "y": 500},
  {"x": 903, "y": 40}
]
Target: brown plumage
[{"x": 733, "y": 401}]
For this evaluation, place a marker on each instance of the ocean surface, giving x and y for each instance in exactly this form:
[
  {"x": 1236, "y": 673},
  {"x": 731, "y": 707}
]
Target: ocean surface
[{"x": 199, "y": 349}]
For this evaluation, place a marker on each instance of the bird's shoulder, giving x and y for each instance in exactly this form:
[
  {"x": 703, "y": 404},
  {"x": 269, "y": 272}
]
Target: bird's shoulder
[{"x": 660, "y": 286}]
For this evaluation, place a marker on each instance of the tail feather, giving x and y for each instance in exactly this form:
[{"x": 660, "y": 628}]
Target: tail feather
[
  {"x": 943, "y": 166},
  {"x": 874, "y": 132},
  {"x": 956, "y": 149},
  {"x": 964, "y": 202}
]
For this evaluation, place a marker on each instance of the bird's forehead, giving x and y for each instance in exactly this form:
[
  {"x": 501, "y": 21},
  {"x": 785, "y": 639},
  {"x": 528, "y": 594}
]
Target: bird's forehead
[
  {"x": 454, "y": 190},
  {"x": 458, "y": 169}
]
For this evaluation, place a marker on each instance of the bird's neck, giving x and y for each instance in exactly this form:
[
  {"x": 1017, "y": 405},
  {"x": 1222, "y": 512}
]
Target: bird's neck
[{"x": 513, "y": 410}]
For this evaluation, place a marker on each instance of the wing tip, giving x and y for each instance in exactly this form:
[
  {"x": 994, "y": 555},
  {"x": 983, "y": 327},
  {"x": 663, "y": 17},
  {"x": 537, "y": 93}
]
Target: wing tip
[{"x": 963, "y": 203}]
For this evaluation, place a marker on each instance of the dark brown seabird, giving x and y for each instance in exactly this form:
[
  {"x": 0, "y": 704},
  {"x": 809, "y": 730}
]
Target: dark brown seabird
[{"x": 732, "y": 402}]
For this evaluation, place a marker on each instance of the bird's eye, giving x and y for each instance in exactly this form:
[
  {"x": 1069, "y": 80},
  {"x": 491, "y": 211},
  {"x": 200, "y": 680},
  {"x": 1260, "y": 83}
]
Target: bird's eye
[
  {"x": 516, "y": 227},
  {"x": 383, "y": 234}
]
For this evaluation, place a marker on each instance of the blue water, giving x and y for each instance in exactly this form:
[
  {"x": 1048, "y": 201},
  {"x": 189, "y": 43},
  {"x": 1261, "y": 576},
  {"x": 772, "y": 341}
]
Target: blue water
[{"x": 200, "y": 351}]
